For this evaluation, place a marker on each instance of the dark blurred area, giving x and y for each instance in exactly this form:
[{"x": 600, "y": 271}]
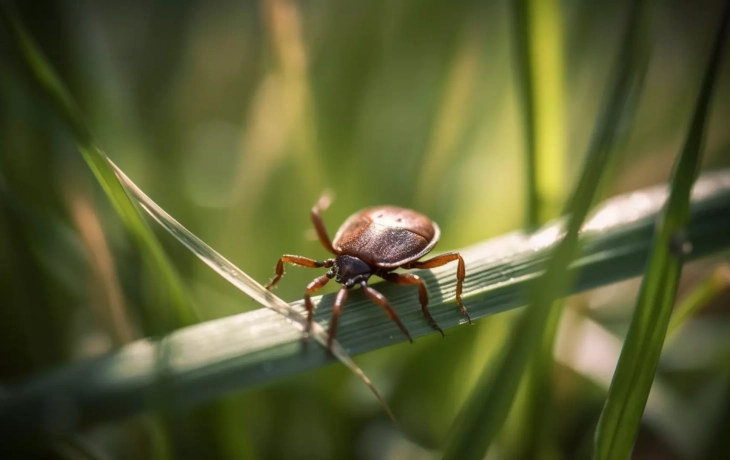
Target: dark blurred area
[{"x": 235, "y": 116}]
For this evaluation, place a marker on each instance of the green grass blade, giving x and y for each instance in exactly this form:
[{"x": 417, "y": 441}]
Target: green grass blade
[
  {"x": 539, "y": 73},
  {"x": 621, "y": 416},
  {"x": 539, "y": 44},
  {"x": 174, "y": 308},
  {"x": 485, "y": 412},
  {"x": 117, "y": 186},
  {"x": 525, "y": 80},
  {"x": 215, "y": 357},
  {"x": 241, "y": 280}
]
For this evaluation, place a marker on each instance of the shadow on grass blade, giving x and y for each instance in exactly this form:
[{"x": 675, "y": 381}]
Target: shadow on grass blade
[{"x": 621, "y": 416}]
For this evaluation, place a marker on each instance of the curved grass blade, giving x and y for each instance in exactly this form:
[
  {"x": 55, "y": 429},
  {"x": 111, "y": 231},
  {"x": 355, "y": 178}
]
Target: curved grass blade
[
  {"x": 486, "y": 410},
  {"x": 109, "y": 177},
  {"x": 216, "y": 357},
  {"x": 241, "y": 280},
  {"x": 622, "y": 413},
  {"x": 174, "y": 309}
]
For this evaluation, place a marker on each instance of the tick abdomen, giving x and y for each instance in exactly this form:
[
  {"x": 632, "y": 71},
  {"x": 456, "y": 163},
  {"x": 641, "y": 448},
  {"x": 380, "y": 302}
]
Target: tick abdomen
[{"x": 386, "y": 236}]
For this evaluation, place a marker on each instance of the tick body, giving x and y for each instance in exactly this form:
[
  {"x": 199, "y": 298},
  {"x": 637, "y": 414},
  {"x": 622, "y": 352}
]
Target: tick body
[{"x": 375, "y": 241}]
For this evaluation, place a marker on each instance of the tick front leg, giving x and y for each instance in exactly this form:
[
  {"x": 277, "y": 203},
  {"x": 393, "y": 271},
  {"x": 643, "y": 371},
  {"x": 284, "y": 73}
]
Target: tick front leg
[
  {"x": 336, "y": 310},
  {"x": 443, "y": 259},
  {"x": 296, "y": 260},
  {"x": 380, "y": 299},
  {"x": 322, "y": 204},
  {"x": 409, "y": 278},
  {"x": 311, "y": 289}
]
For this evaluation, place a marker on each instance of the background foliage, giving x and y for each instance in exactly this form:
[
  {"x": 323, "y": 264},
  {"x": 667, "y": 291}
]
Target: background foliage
[{"x": 235, "y": 118}]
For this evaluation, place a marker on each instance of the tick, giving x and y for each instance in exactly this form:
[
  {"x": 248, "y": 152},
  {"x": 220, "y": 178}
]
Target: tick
[{"x": 374, "y": 241}]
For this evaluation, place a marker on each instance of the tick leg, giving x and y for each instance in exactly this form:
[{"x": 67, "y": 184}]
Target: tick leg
[
  {"x": 380, "y": 299},
  {"x": 322, "y": 204},
  {"x": 311, "y": 288},
  {"x": 336, "y": 310},
  {"x": 409, "y": 278},
  {"x": 443, "y": 259},
  {"x": 296, "y": 260}
]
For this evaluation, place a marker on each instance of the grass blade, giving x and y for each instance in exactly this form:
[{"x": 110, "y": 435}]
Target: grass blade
[
  {"x": 484, "y": 414},
  {"x": 539, "y": 45},
  {"x": 173, "y": 308},
  {"x": 621, "y": 416},
  {"x": 538, "y": 55},
  {"x": 241, "y": 280},
  {"x": 117, "y": 185},
  {"x": 241, "y": 351}
]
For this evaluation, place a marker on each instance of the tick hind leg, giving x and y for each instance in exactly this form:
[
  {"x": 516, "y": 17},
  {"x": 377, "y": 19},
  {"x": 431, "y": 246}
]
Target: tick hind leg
[
  {"x": 443, "y": 259},
  {"x": 380, "y": 299},
  {"x": 409, "y": 278},
  {"x": 296, "y": 260}
]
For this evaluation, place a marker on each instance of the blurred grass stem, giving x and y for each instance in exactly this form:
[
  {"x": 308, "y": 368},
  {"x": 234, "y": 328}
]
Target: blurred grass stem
[
  {"x": 483, "y": 415},
  {"x": 621, "y": 416}
]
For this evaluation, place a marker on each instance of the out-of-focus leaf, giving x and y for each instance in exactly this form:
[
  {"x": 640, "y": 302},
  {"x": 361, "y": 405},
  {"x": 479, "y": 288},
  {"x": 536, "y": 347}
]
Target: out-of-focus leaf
[
  {"x": 621, "y": 416},
  {"x": 486, "y": 410}
]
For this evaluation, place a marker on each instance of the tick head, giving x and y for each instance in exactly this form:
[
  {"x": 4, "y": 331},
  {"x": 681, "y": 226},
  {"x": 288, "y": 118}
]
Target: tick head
[{"x": 349, "y": 270}]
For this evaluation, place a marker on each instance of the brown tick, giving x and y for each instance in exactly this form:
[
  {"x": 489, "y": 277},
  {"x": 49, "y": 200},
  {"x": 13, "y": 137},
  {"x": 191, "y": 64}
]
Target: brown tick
[{"x": 375, "y": 241}]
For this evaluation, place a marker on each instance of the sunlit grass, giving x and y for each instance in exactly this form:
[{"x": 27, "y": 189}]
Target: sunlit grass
[
  {"x": 482, "y": 417},
  {"x": 241, "y": 351},
  {"x": 234, "y": 118},
  {"x": 619, "y": 423}
]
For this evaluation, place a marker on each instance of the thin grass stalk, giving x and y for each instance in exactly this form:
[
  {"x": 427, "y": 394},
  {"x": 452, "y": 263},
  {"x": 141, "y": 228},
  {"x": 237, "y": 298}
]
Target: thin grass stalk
[
  {"x": 173, "y": 308},
  {"x": 620, "y": 419},
  {"x": 486, "y": 410},
  {"x": 538, "y": 40},
  {"x": 526, "y": 91}
]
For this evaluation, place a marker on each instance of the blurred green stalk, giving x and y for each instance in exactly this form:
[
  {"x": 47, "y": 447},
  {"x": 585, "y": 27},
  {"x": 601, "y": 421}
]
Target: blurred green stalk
[
  {"x": 172, "y": 306},
  {"x": 539, "y": 58},
  {"x": 539, "y": 70},
  {"x": 167, "y": 305},
  {"x": 483, "y": 415},
  {"x": 621, "y": 416}
]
